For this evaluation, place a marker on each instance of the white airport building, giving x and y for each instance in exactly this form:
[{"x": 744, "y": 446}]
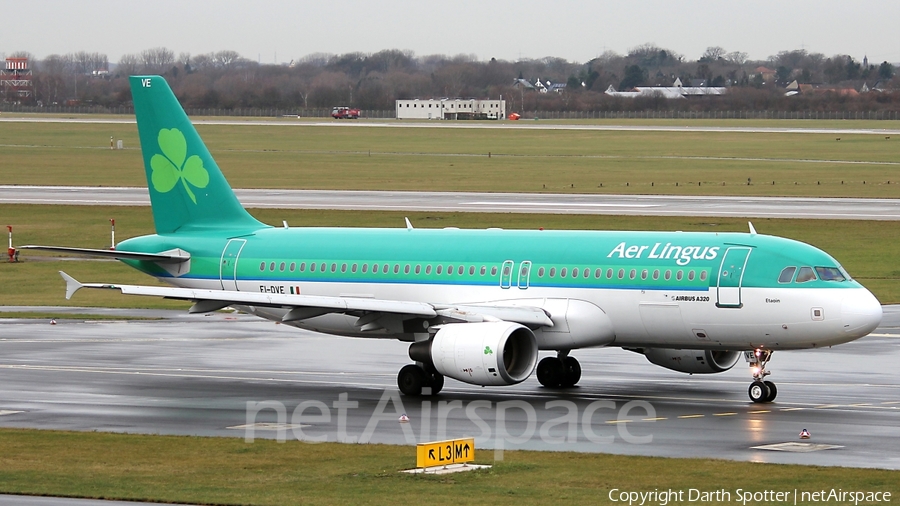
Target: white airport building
[{"x": 451, "y": 108}]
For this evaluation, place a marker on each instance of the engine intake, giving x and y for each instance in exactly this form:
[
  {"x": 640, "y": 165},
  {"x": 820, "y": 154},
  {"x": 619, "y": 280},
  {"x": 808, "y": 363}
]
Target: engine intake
[
  {"x": 693, "y": 361},
  {"x": 487, "y": 354}
]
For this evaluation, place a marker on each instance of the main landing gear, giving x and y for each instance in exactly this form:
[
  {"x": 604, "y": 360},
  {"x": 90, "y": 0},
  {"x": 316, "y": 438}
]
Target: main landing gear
[
  {"x": 761, "y": 390},
  {"x": 413, "y": 379},
  {"x": 561, "y": 371}
]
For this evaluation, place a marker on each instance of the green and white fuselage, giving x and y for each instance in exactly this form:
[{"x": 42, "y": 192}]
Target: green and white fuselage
[
  {"x": 671, "y": 289},
  {"x": 477, "y": 305}
]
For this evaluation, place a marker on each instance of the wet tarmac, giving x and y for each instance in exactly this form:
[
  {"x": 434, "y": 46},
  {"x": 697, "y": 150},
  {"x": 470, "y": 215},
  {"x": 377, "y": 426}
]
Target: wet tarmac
[{"x": 233, "y": 375}]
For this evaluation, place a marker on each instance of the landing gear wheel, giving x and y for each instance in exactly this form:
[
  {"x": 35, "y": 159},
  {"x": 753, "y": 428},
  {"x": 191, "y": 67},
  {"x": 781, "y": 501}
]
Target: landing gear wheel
[
  {"x": 550, "y": 372},
  {"x": 772, "y": 391},
  {"x": 571, "y": 372},
  {"x": 759, "y": 392},
  {"x": 411, "y": 379},
  {"x": 436, "y": 382}
]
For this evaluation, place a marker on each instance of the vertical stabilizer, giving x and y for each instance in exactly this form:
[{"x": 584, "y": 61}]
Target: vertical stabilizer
[{"x": 187, "y": 189}]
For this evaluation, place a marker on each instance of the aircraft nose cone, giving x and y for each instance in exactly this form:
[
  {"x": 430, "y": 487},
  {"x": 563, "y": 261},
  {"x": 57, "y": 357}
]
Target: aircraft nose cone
[{"x": 860, "y": 313}]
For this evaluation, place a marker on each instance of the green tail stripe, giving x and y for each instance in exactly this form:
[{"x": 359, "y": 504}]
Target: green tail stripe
[{"x": 187, "y": 189}]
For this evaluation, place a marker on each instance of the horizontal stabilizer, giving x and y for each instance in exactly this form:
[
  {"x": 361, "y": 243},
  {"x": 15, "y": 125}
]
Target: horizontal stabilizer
[
  {"x": 72, "y": 285},
  {"x": 113, "y": 254}
]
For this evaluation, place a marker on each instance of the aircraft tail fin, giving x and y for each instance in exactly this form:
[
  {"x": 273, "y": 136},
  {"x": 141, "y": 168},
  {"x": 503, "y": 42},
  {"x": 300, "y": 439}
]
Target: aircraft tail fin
[{"x": 187, "y": 189}]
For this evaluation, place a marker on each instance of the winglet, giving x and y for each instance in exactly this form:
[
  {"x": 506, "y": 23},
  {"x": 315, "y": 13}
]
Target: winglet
[
  {"x": 752, "y": 230},
  {"x": 408, "y": 224},
  {"x": 72, "y": 284}
]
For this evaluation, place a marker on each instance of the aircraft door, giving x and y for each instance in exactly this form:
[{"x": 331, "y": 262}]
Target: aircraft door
[
  {"x": 506, "y": 274},
  {"x": 524, "y": 274},
  {"x": 228, "y": 263},
  {"x": 731, "y": 273}
]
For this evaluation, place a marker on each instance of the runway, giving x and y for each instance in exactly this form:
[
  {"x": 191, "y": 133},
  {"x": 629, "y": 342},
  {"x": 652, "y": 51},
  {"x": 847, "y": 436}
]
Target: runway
[
  {"x": 601, "y": 125},
  {"x": 642, "y": 205},
  {"x": 198, "y": 375}
]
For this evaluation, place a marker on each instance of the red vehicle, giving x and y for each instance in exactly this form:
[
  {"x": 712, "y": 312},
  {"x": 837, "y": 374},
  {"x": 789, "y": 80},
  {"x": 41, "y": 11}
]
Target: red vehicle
[{"x": 342, "y": 112}]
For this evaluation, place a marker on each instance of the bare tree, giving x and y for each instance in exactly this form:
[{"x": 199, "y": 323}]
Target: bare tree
[
  {"x": 157, "y": 60},
  {"x": 713, "y": 53},
  {"x": 129, "y": 64},
  {"x": 737, "y": 57}
]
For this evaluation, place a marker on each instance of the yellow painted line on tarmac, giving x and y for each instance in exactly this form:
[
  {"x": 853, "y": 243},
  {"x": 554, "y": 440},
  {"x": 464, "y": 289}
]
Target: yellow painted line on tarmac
[
  {"x": 861, "y": 404},
  {"x": 759, "y": 411},
  {"x": 618, "y": 421},
  {"x": 826, "y": 406},
  {"x": 724, "y": 414},
  {"x": 891, "y": 402},
  {"x": 654, "y": 419},
  {"x": 691, "y": 416},
  {"x": 792, "y": 409}
]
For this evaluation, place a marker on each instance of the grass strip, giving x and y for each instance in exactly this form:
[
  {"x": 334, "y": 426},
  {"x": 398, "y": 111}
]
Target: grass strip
[
  {"x": 867, "y": 249},
  {"x": 466, "y": 159},
  {"x": 229, "y": 471}
]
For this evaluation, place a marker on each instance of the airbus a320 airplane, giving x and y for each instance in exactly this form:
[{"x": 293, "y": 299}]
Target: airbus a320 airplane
[{"x": 478, "y": 305}]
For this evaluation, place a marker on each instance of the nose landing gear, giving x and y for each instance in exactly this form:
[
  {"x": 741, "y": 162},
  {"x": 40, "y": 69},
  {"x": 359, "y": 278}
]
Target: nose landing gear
[{"x": 761, "y": 390}]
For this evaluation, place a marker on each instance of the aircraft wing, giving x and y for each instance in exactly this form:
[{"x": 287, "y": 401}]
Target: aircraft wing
[{"x": 307, "y": 306}]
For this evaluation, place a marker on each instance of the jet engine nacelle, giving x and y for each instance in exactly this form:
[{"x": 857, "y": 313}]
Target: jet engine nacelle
[
  {"x": 487, "y": 354},
  {"x": 693, "y": 361}
]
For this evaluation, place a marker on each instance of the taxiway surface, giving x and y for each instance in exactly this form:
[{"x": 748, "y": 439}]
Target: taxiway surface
[
  {"x": 192, "y": 374},
  {"x": 643, "y": 205}
]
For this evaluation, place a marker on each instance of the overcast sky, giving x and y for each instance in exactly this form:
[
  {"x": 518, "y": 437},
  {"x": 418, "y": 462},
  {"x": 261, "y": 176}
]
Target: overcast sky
[{"x": 576, "y": 30}]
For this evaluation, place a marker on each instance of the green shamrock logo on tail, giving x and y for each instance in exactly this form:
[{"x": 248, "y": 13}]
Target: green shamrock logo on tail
[
  {"x": 170, "y": 167},
  {"x": 488, "y": 351}
]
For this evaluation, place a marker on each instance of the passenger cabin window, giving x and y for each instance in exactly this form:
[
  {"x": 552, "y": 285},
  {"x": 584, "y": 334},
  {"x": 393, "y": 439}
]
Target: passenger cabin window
[
  {"x": 830, "y": 274},
  {"x": 787, "y": 274},
  {"x": 806, "y": 274}
]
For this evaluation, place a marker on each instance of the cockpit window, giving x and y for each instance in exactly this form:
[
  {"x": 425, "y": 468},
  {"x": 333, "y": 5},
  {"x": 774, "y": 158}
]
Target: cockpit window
[
  {"x": 787, "y": 275},
  {"x": 806, "y": 274},
  {"x": 830, "y": 274}
]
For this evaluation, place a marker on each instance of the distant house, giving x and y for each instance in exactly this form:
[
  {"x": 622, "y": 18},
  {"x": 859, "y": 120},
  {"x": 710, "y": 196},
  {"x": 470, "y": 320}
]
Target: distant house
[
  {"x": 768, "y": 75},
  {"x": 522, "y": 83},
  {"x": 670, "y": 92},
  {"x": 557, "y": 87},
  {"x": 794, "y": 88}
]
